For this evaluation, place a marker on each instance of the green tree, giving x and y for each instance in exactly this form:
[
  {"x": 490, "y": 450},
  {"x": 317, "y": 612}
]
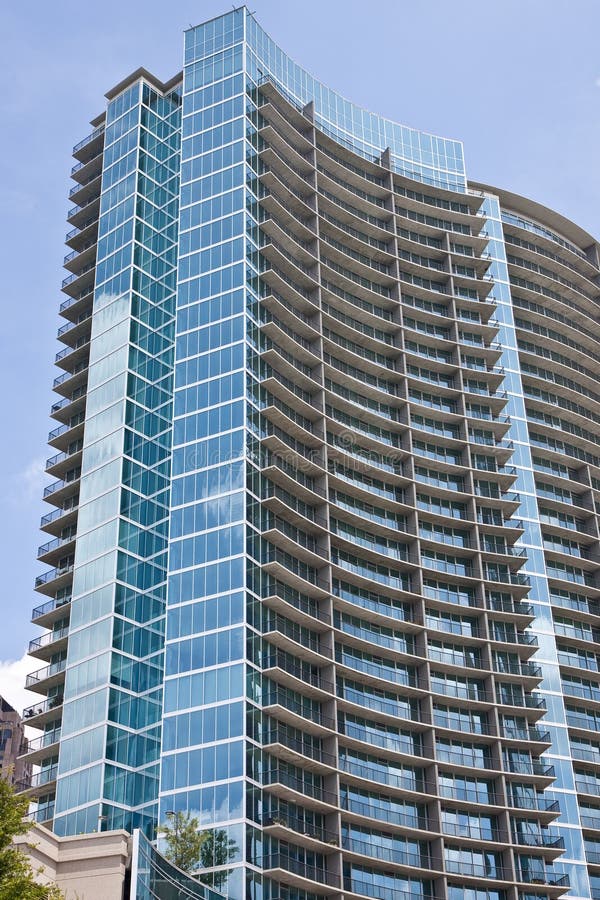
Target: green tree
[
  {"x": 184, "y": 840},
  {"x": 16, "y": 875}
]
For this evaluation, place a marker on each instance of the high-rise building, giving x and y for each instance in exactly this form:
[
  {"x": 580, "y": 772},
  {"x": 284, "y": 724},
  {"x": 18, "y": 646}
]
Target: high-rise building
[{"x": 324, "y": 547}]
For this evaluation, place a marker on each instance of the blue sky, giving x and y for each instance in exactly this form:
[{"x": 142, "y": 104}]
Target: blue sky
[{"x": 518, "y": 81}]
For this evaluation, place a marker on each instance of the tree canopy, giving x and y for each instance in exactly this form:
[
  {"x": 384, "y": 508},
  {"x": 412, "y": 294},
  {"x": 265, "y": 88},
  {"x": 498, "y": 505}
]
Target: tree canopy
[{"x": 17, "y": 878}]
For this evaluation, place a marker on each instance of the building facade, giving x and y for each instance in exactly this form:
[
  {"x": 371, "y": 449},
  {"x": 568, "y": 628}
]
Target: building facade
[
  {"x": 324, "y": 543},
  {"x": 84, "y": 867},
  {"x": 13, "y": 747}
]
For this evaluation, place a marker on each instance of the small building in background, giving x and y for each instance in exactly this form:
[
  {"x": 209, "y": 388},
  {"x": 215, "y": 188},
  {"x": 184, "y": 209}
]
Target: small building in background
[{"x": 13, "y": 744}]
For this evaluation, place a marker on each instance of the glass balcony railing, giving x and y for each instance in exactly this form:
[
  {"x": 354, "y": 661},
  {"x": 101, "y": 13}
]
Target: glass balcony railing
[
  {"x": 44, "y": 706},
  {"x": 57, "y": 513},
  {"x": 46, "y": 776},
  {"x": 88, "y": 139},
  {"x": 47, "y": 672},
  {"x": 81, "y": 184},
  {"x": 75, "y": 231},
  {"x": 49, "y": 607},
  {"x": 47, "y": 739},
  {"x": 543, "y": 839},
  {"x": 75, "y": 210},
  {"x": 88, "y": 291},
  {"x": 54, "y": 545},
  {"x": 43, "y": 813},
  {"x": 75, "y": 275},
  {"x": 537, "y": 803},
  {"x": 308, "y": 829},
  {"x": 304, "y": 870},
  {"x": 53, "y": 574},
  {"x": 308, "y": 788},
  {"x": 549, "y": 878},
  {"x": 49, "y": 638},
  {"x": 529, "y": 767}
]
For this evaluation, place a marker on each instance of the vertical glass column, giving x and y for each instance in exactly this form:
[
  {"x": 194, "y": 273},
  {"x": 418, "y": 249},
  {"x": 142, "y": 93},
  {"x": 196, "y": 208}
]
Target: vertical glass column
[
  {"x": 563, "y": 789},
  {"x": 108, "y": 763},
  {"x": 82, "y": 751},
  {"x": 135, "y": 702},
  {"x": 203, "y": 749}
]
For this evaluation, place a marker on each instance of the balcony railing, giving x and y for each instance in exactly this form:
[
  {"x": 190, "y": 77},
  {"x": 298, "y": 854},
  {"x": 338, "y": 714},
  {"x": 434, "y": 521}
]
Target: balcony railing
[
  {"x": 49, "y": 607},
  {"x": 516, "y": 733},
  {"x": 46, "y": 776},
  {"x": 89, "y": 138},
  {"x": 308, "y": 829},
  {"x": 47, "y": 672},
  {"x": 81, "y": 184},
  {"x": 529, "y": 767},
  {"x": 394, "y": 817},
  {"x": 311, "y": 873},
  {"x": 53, "y": 574},
  {"x": 397, "y": 855},
  {"x": 62, "y": 482},
  {"x": 381, "y": 892},
  {"x": 549, "y": 878},
  {"x": 47, "y": 739},
  {"x": 42, "y": 707},
  {"x": 75, "y": 275},
  {"x": 538, "y": 803},
  {"x": 80, "y": 165},
  {"x": 281, "y": 660},
  {"x": 43, "y": 813},
  {"x": 280, "y": 697},
  {"x": 49, "y": 638},
  {"x": 55, "y": 544},
  {"x": 543, "y": 839},
  {"x": 305, "y": 748},
  {"x": 70, "y": 301}
]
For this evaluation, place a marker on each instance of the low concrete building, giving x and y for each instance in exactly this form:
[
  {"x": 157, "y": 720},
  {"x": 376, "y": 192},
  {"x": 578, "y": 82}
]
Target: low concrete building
[{"x": 85, "y": 867}]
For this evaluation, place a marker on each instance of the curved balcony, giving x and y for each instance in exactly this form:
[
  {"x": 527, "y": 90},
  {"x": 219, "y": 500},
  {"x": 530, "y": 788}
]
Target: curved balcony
[
  {"x": 297, "y": 677},
  {"x": 300, "y": 753},
  {"x": 300, "y": 833},
  {"x": 292, "y": 604},
  {"x": 287, "y": 870},
  {"x": 280, "y": 706}
]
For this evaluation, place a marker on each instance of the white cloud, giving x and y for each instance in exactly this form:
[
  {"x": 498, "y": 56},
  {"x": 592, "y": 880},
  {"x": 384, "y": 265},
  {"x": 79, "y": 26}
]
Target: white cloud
[
  {"x": 12, "y": 682},
  {"x": 32, "y": 479},
  {"x": 597, "y": 82}
]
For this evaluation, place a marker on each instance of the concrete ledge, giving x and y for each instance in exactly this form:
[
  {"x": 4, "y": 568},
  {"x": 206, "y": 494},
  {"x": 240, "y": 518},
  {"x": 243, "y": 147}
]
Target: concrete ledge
[{"x": 87, "y": 866}]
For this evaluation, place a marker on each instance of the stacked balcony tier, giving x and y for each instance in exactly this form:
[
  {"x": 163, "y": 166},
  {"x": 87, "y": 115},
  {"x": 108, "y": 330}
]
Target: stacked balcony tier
[
  {"x": 64, "y": 466},
  {"x": 398, "y": 734}
]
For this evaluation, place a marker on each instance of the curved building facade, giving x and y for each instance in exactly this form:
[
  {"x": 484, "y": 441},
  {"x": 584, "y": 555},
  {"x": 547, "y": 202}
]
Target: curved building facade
[{"x": 325, "y": 542}]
